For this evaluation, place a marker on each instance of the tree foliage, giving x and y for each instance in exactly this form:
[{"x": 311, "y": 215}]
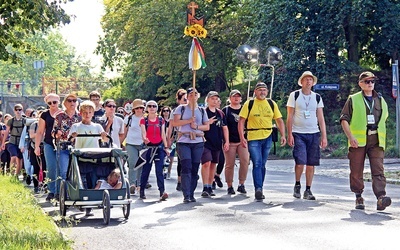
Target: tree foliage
[{"x": 19, "y": 19}]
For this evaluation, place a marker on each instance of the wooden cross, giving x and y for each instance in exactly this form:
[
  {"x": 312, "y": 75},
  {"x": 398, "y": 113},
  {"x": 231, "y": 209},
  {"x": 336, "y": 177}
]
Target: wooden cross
[
  {"x": 192, "y": 6},
  {"x": 191, "y": 19}
]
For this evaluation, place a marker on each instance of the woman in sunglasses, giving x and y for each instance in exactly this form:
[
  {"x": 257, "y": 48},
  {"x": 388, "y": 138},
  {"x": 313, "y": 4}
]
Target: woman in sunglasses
[
  {"x": 153, "y": 135},
  {"x": 134, "y": 142},
  {"x": 113, "y": 124},
  {"x": 45, "y": 128},
  {"x": 62, "y": 125},
  {"x": 165, "y": 114}
]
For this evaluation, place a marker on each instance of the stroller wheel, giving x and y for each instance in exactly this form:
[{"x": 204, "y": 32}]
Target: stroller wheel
[{"x": 106, "y": 207}]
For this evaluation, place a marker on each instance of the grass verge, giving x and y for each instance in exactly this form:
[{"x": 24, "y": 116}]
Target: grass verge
[{"x": 23, "y": 225}]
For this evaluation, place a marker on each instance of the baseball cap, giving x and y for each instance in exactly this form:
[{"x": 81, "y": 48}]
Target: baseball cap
[
  {"x": 234, "y": 92},
  {"x": 365, "y": 74},
  {"x": 190, "y": 90},
  {"x": 260, "y": 85},
  {"x": 212, "y": 93}
]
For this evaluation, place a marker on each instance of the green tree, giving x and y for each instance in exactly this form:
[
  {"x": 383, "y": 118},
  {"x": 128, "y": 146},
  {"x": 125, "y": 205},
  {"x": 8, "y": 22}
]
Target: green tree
[{"x": 22, "y": 18}]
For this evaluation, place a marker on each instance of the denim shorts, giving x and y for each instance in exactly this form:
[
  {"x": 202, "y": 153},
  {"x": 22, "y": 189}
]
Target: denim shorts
[
  {"x": 14, "y": 150},
  {"x": 210, "y": 155},
  {"x": 306, "y": 149}
]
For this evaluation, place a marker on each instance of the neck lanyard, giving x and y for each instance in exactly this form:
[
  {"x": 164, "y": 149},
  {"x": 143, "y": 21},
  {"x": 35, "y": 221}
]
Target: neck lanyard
[
  {"x": 309, "y": 99},
  {"x": 369, "y": 107}
]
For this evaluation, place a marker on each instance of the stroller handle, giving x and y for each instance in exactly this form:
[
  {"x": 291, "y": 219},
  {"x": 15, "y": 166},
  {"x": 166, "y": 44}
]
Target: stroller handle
[{"x": 93, "y": 135}]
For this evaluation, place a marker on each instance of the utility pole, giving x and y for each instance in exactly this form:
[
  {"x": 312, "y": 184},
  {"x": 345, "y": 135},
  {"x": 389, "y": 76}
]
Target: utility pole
[{"x": 396, "y": 93}]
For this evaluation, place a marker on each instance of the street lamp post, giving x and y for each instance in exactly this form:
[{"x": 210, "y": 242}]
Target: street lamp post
[
  {"x": 274, "y": 56},
  {"x": 248, "y": 56}
]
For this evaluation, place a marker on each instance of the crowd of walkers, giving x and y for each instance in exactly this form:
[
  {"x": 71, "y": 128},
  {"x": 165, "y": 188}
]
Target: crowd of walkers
[{"x": 212, "y": 138}]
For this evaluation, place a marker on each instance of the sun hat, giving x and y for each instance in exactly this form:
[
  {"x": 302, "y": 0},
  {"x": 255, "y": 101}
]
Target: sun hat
[
  {"x": 307, "y": 73},
  {"x": 50, "y": 97},
  {"x": 137, "y": 103}
]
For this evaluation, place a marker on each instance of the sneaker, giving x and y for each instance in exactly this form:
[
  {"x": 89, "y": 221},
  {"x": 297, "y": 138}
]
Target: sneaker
[
  {"x": 192, "y": 199},
  {"x": 360, "y": 203},
  {"x": 186, "y": 200},
  {"x": 132, "y": 189},
  {"x": 164, "y": 197},
  {"x": 49, "y": 197},
  {"x": 205, "y": 193},
  {"x": 230, "y": 190},
  {"x": 383, "y": 202},
  {"x": 214, "y": 185},
  {"x": 168, "y": 176},
  {"x": 218, "y": 181},
  {"x": 28, "y": 180},
  {"x": 210, "y": 191},
  {"x": 148, "y": 185},
  {"x": 178, "y": 186},
  {"x": 296, "y": 192},
  {"x": 241, "y": 189},
  {"x": 142, "y": 196},
  {"x": 36, "y": 190},
  {"x": 259, "y": 195},
  {"x": 308, "y": 195}
]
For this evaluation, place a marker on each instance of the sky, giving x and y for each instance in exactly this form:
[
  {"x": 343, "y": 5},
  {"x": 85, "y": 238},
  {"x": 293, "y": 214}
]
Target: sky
[{"x": 84, "y": 30}]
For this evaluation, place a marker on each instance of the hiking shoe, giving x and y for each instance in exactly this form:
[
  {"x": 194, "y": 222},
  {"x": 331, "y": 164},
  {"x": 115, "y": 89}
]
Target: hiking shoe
[
  {"x": 142, "y": 196},
  {"x": 360, "y": 203},
  {"x": 230, "y": 190},
  {"x": 241, "y": 189},
  {"x": 218, "y": 181},
  {"x": 28, "y": 180},
  {"x": 259, "y": 195},
  {"x": 178, "y": 186},
  {"x": 383, "y": 202},
  {"x": 192, "y": 199},
  {"x": 308, "y": 195},
  {"x": 186, "y": 200},
  {"x": 50, "y": 196},
  {"x": 210, "y": 191},
  {"x": 214, "y": 185},
  {"x": 164, "y": 197},
  {"x": 205, "y": 193},
  {"x": 132, "y": 189},
  {"x": 296, "y": 192},
  {"x": 148, "y": 185}
]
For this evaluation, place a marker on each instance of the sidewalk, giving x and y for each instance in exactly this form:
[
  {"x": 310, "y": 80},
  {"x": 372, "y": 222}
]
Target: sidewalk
[{"x": 340, "y": 168}]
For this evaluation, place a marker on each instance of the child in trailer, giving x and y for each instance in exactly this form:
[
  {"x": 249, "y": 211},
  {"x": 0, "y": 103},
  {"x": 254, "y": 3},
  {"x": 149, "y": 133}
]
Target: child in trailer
[{"x": 113, "y": 181}]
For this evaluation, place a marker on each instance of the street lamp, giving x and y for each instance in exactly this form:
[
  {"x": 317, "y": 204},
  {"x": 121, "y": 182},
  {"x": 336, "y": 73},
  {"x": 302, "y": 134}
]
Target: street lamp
[
  {"x": 274, "y": 56},
  {"x": 247, "y": 55}
]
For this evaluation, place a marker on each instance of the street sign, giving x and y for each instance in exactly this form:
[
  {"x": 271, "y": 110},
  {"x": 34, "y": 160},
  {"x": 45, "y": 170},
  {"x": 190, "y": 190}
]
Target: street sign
[{"x": 333, "y": 86}]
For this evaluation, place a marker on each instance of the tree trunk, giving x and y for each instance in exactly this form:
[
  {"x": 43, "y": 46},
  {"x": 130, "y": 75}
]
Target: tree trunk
[{"x": 352, "y": 41}]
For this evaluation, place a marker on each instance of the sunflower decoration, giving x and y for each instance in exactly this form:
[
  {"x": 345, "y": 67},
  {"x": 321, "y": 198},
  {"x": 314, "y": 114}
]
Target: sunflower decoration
[{"x": 195, "y": 30}]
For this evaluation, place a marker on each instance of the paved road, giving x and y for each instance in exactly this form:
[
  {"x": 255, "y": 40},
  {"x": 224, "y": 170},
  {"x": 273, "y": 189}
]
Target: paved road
[{"x": 239, "y": 222}]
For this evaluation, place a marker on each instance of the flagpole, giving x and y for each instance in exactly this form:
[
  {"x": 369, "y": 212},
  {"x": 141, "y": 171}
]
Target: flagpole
[{"x": 194, "y": 87}]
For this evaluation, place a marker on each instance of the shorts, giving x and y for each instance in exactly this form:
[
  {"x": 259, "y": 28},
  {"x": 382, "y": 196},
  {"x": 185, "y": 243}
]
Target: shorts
[
  {"x": 14, "y": 150},
  {"x": 306, "y": 149},
  {"x": 210, "y": 155}
]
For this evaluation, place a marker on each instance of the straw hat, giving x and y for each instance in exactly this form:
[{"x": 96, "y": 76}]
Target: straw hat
[
  {"x": 137, "y": 103},
  {"x": 307, "y": 73}
]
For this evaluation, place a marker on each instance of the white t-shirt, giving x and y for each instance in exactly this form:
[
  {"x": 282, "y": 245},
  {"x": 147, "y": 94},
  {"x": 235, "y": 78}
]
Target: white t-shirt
[
  {"x": 134, "y": 135},
  {"x": 105, "y": 185},
  {"x": 305, "y": 112},
  {"x": 117, "y": 128},
  {"x": 86, "y": 142}
]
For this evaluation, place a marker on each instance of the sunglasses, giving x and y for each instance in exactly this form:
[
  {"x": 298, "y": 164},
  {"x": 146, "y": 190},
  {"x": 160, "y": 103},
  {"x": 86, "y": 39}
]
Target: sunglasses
[
  {"x": 18, "y": 109},
  {"x": 152, "y": 106},
  {"x": 95, "y": 99},
  {"x": 369, "y": 82},
  {"x": 138, "y": 108},
  {"x": 71, "y": 100},
  {"x": 111, "y": 106},
  {"x": 165, "y": 110},
  {"x": 52, "y": 102}
]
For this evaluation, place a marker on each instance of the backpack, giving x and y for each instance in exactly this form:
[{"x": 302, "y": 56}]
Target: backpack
[
  {"x": 202, "y": 110},
  {"x": 146, "y": 122},
  {"x": 274, "y": 133},
  {"x": 17, "y": 137},
  {"x": 297, "y": 93}
]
